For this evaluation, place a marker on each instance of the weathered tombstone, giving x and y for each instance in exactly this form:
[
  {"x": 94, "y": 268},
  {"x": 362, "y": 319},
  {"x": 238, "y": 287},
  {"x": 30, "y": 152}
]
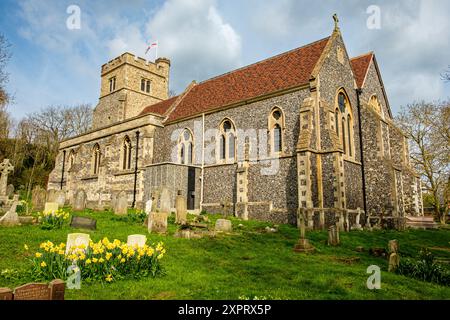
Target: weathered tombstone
[
  {"x": 5, "y": 169},
  {"x": 148, "y": 206},
  {"x": 303, "y": 244},
  {"x": 38, "y": 198},
  {"x": 393, "y": 246},
  {"x": 121, "y": 204},
  {"x": 165, "y": 201},
  {"x": 77, "y": 239},
  {"x": 35, "y": 291},
  {"x": 113, "y": 200},
  {"x": 51, "y": 207},
  {"x": 11, "y": 218},
  {"x": 136, "y": 240},
  {"x": 357, "y": 225},
  {"x": 394, "y": 261},
  {"x": 155, "y": 198},
  {"x": 333, "y": 235},
  {"x": 51, "y": 195},
  {"x": 157, "y": 222},
  {"x": 83, "y": 223},
  {"x": 60, "y": 198},
  {"x": 9, "y": 190},
  {"x": 180, "y": 209},
  {"x": 223, "y": 225},
  {"x": 79, "y": 203}
]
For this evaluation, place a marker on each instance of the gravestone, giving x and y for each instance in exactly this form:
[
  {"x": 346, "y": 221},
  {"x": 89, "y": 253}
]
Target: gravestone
[
  {"x": 394, "y": 257},
  {"x": 113, "y": 200},
  {"x": 155, "y": 198},
  {"x": 333, "y": 235},
  {"x": 165, "y": 201},
  {"x": 79, "y": 203},
  {"x": 9, "y": 190},
  {"x": 38, "y": 197},
  {"x": 302, "y": 244},
  {"x": 60, "y": 198},
  {"x": 5, "y": 169},
  {"x": 357, "y": 225},
  {"x": 35, "y": 291},
  {"x": 136, "y": 240},
  {"x": 51, "y": 207},
  {"x": 11, "y": 218},
  {"x": 121, "y": 204},
  {"x": 83, "y": 223},
  {"x": 77, "y": 239},
  {"x": 223, "y": 225},
  {"x": 394, "y": 261},
  {"x": 180, "y": 209},
  {"x": 51, "y": 195},
  {"x": 148, "y": 206},
  {"x": 157, "y": 222}
]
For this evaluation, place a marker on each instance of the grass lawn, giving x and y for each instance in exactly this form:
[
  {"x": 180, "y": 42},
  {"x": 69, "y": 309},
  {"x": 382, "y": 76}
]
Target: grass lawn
[{"x": 247, "y": 263}]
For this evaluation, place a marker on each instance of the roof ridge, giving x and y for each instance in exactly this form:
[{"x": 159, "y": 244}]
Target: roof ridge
[
  {"x": 363, "y": 55},
  {"x": 264, "y": 60}
]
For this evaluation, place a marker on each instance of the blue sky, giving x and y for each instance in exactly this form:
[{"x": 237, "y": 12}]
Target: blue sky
[{"x": 53, "y": 65}]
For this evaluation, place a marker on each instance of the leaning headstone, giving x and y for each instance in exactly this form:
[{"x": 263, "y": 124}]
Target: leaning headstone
[
  {"x": 38, "y": 198},
  {"x": 121, "y": 204},
  {"x": 9, "y": 190},
  {"x": 180, "y": 209},
  {"x": 393, "y": 246},
  {"x": 223, "y": 225},
  {"x": 77, "y": 239},
  {"x": 157, "y": 222},
  {"x": 333, "y": 235},
  {"x": 83, "y": 223},
  {"x": 165, "y": 201},
  {"x": 11, "y": 218},
  {"x": 60, "y": 198},
  {"x": 136, "y": 240},
  {"x": 79, "y": 203},
  {"x": 51, "y": 207}
]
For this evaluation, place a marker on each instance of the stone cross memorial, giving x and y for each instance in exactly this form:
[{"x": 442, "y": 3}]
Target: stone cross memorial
[
  {"x": 11, "y": 218},
  {"x": 5, "y": 169},
  {"x": 303, "y": 244}
]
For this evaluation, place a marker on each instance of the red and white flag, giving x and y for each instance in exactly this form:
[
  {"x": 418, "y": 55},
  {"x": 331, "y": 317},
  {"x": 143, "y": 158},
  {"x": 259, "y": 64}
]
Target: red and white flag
[{"x": 152, "y": 45}]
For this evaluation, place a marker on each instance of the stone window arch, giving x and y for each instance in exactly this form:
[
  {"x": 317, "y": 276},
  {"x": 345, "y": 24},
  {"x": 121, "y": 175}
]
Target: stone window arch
[
  {"x": 185, "y": 147},
  {"x": 95, "y": 160},
  {"x": 276, "y": 127},
  {"x": 375, "y": 104},
  {"x": 344, "y": 126},
  {"x": 72, "y": 156},
  {"x": 227, "y": 140},
  {"x": 126, "y": 153}
]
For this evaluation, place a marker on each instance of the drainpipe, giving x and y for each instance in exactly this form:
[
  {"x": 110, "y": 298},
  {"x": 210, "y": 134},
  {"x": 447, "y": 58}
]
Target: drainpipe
[
  {"x": 62, "y": 171},
  {"x": 358, "y": 93},
  {"x": 135, "y": 169}
]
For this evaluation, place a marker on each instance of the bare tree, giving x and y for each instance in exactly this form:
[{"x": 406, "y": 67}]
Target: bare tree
[
  {"x": 5, "y": 122},
  {"x": 427, "y": 127},
  {"x": 5, "y": 55},
  {"x": 446, "y": 75}
]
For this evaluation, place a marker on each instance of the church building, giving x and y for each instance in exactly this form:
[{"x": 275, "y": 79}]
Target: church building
[{"x": 309, "y": 130}]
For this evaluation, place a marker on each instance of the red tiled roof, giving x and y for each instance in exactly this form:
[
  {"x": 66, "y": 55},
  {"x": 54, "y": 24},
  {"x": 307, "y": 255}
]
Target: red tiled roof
[
  {"x": 160, "y": 107},
  {"x": 289, "y": 69},
  {"x": 360, "y": 65}
]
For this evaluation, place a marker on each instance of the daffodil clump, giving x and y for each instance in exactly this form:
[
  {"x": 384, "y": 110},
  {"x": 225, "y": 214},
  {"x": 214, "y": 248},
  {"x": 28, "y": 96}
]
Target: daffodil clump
[
  {"x": 99, "y": 261},
  {"x": 53, "y": 219}
]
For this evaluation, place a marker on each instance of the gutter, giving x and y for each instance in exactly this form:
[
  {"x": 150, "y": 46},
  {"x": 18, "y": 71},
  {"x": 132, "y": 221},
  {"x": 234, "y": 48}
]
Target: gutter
[
  {"x": 358, "y": 93},
  {"x": 135, "y": 169},
  {"x": 62, "y": 171}
]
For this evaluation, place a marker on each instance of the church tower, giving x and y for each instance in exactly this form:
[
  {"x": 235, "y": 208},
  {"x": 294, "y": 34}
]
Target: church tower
[{"x": 129, "y": 84}]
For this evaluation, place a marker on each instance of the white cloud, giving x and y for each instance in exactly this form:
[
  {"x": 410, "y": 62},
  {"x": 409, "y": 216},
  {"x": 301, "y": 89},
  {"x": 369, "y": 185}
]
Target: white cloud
[{"x": 195, "y": 37}]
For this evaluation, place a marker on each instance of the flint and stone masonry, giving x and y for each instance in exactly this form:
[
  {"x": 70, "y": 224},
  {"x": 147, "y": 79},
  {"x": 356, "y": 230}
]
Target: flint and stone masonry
[{"x": 308, "y": 131}]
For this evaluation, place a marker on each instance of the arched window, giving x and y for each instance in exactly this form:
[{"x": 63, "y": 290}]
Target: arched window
[
  {"x": 227, "y": 141},
  {"x": 344, "y": 128},
  {"x": 95, "y": 159},
  {"x": 276, "y": 126},
  {"x": 126, "y": 156},
  {"x": 349, "y": 135},
  {"x": 185, "y": 145}
]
